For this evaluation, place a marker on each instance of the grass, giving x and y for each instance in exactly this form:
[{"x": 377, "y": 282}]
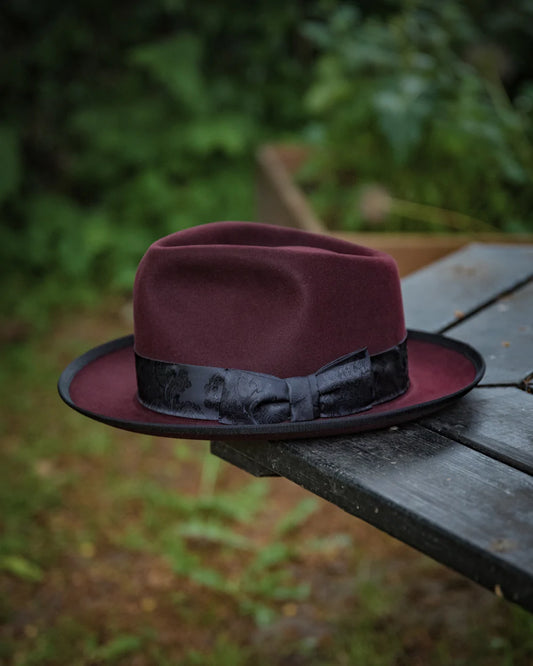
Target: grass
[{"x": 125, "y": 549}]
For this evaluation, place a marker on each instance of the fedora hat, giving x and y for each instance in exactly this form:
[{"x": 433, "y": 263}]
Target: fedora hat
[{"x": 245, "y": 330}]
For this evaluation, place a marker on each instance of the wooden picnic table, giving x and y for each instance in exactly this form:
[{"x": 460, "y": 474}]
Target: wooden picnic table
[{"x": 457, "y": 485}]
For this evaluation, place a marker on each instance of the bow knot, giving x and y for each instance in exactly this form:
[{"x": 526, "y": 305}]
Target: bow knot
[{"x": 339, "y": 388}]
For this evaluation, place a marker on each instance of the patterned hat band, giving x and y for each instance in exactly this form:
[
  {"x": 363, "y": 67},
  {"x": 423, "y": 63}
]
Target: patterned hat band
[{"x": 348, "y": 385}]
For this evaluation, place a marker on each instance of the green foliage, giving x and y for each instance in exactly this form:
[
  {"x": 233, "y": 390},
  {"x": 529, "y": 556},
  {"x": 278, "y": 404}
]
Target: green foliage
[
  {"x": 182, "y": 528},
  {"x": 370, "y": 638},
  {"x": 224, "y": 653},
  {"x": 119, "y": 646},
  {"x": 120, "y": 126},
  {"x": 297, "y": 516},
  {"x": 21, "y": 567},
  {"x": 24, "y": 498},
  {"x": 415, "y": 101}
]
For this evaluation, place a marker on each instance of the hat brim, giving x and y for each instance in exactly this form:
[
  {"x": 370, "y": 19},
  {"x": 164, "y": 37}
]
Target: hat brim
[{"x": 102, "y": 385}]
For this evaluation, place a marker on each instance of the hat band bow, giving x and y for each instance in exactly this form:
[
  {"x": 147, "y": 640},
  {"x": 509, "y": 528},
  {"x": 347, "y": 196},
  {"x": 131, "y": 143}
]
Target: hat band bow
[{"x": 350, "y": 384}]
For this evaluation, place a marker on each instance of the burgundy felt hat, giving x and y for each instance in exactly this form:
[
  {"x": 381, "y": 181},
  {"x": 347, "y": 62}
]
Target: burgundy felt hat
[{"x": 245, "y": 330}]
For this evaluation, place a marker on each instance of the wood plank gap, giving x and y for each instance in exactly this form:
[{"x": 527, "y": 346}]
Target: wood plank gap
[
  {"x": 502, "y": 385},
  {"x": 499, "y": 456},
  {"x": 486, "y": 304}
]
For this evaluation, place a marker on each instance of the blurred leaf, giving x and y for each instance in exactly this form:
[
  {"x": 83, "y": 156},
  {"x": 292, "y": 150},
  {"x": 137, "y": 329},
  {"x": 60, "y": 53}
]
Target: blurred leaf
[
  {"x": 213, "y": 532},
  {"x": 227, "y": 133},
  {"x": 209, "y": 578},
  {"x": 118, "y": 647},
  {"x": 297, "y": 515},
  {"x": 271, "y": 555},
  {"x": 401, "y": 112},
  {"x": 175, "y": 64},
  {"x": 21, "y": 567}
]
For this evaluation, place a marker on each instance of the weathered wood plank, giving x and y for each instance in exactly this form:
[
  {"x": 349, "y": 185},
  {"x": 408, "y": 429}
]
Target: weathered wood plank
[
  {"x": 503, "y": 333},
  {"x": 463, "y": 282},
  {"x": 464, "y": 509},
  {"x": 496, "y": 421}
]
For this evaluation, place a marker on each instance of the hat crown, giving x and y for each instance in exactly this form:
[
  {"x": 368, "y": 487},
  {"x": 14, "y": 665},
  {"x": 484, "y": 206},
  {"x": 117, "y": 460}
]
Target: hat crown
[{"x": 263, "y": 298}]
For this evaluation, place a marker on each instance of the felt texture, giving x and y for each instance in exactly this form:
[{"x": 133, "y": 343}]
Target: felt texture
[
  {"x": 267, "y": 299},
  {"x": 263, "y": 298}
]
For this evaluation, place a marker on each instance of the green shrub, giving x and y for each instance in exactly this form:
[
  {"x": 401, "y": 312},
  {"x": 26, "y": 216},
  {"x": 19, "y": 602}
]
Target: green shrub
[
  {"x": 414, "y": 101},
  {"x": 122, "y": 123}
]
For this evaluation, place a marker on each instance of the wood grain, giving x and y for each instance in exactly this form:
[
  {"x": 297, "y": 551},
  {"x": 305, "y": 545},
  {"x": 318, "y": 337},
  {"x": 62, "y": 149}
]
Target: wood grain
[
  {"x": 438, "y": 296},
  {"x": 503, "y": 333},
  {"x": 495, "y": 421}
]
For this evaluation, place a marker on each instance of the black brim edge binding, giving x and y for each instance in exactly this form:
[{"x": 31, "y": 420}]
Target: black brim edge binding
[{"x": 332, "y": 426}]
